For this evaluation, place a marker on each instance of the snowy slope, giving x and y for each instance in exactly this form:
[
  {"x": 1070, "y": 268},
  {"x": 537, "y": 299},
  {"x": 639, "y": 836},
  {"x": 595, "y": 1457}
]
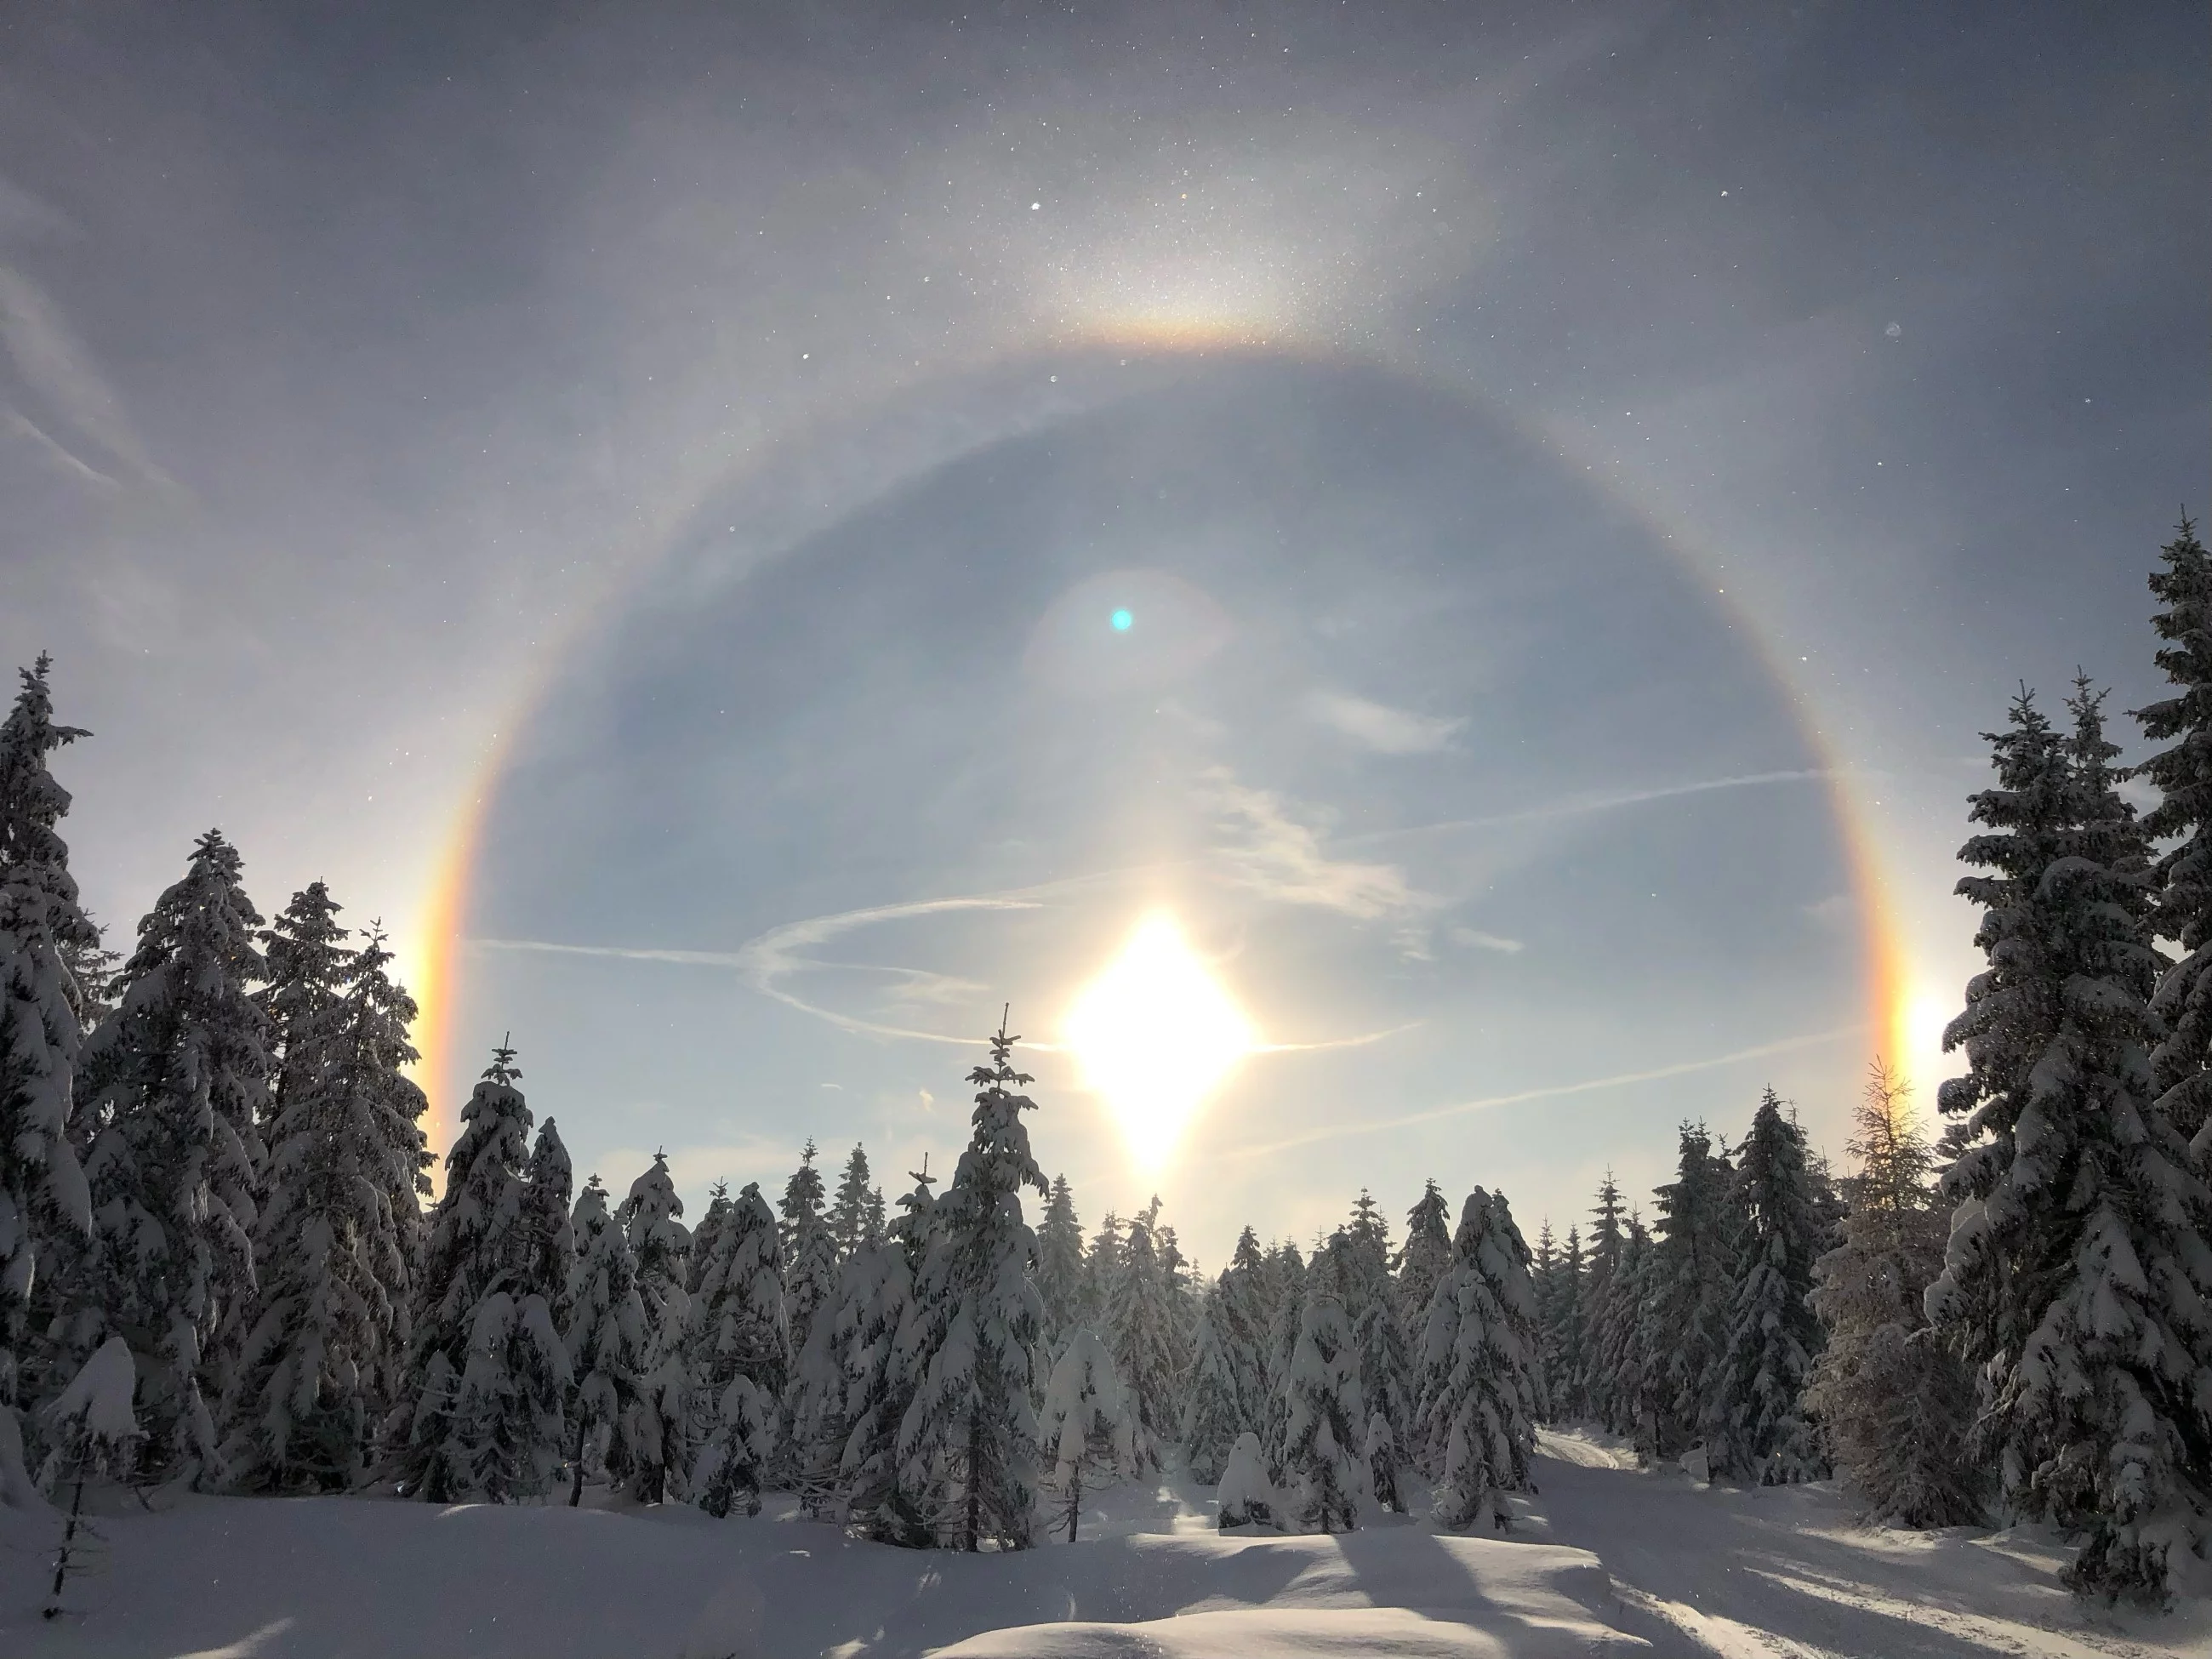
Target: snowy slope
[{"x": 1687, "y": 1571}]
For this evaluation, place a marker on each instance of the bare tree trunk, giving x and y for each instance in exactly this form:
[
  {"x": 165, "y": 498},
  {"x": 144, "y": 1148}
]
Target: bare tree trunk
[
  {"x": 576, "y": 1487},
  {"x": 54, "y": 1606}
]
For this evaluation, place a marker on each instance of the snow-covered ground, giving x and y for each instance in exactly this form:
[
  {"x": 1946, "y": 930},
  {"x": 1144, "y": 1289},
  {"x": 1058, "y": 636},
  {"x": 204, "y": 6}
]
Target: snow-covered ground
[{"x": 1606, "y": 1559}]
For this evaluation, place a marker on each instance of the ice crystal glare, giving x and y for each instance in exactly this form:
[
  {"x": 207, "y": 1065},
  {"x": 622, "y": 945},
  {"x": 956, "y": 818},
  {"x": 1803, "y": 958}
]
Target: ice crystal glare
[
  {"x": 1121, "y": 619},
  {"x": 1155, "y": 1034}
]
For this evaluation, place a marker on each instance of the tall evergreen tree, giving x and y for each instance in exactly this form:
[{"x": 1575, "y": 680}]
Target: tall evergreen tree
[
  {"x": 180, "y": 1074},
  {"x": 1324, "y": 1419},
  {"x": 1758, "y": 1415},
  {"x": 2077, "y": 1281},
  {"x": 606, "y": 1339},
  {"x": 1691, "y": 1264},
  {"x": 1371, "y": 1302},
  {"x": 741, "y": 1352},
  {"x": 2181, "y": 1063},
  {"x": 307, "y": 965},
  {"x": 1475, "y": 1425},
  {"x": 856, "y": 1203},
  {"x": 970, "y": 1438},
  {"x": 883, "y": 1345},
  {"x": 46, "y": 1211},
  {"x": 1427, "y": 1256},
  {"x": 1895, "y": 1405},
  {"x": 483, "y": 1413},
  {"x": 810, "y": 1249},
  {"x": 1143, "y": 1316},
  {"x": 1102, "y": 1271},
  {"x": 707, "y": 1236},
  {"x": 336, "y": 1240},
  {"x": 1607, "y": 1238},
  {"x": 1566, "y": 1334},
  {"x": 1214, "y": 1406},
  {"x": 661, "y": 1246},
  {"x": 1060, "y": 1265},
  {"x": 1285, "y": 1279}
]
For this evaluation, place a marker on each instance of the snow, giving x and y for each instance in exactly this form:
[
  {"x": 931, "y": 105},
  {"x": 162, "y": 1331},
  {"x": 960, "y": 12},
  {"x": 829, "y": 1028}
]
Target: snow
[{"x": 1605, "y": 1559}]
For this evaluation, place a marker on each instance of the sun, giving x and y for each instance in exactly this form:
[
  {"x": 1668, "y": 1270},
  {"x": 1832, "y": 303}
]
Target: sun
[{"x": 1155, "y": 1034}]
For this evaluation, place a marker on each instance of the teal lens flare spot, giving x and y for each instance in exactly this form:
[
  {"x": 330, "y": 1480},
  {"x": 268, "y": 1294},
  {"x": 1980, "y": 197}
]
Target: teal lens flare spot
[{"x": 1121, "y": 619}]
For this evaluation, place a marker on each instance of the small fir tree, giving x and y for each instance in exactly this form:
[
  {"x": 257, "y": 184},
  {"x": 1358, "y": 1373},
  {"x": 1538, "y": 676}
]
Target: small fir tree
[
  {"x": 707, "y": 1236},
  {"x": 1245, "y": 1497},
  {"x": 1381, "y": 1454},
  {"x": 96, "y": 1433},
  {"x": 1085, "y": 1426},
  {"x": 1607, "y": 1238}
]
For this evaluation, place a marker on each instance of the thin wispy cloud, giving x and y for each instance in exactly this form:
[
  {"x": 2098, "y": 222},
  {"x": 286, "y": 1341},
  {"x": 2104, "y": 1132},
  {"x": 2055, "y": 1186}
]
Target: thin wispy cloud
[
  {"x": 1351, "y": 1127},
  {"x": 54, "y": 364},
  {"x": 1379, "y": 727},
  {"x": 1269, "y": 852}
]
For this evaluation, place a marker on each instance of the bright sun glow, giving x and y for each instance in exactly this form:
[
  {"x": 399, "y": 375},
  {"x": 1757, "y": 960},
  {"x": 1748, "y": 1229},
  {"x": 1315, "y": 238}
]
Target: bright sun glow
[{"x": 1156, "y": 1034}]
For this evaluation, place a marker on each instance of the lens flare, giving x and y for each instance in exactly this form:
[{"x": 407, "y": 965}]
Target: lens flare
[
  {"x": 1155, "y": 1034},
  {"x": 1121, "y": 619}
]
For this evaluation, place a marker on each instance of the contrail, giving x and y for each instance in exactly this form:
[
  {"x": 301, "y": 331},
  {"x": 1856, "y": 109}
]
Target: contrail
[
  {"x": 1367, "y": 1126},
  {"x": 1576, "y": 806}
]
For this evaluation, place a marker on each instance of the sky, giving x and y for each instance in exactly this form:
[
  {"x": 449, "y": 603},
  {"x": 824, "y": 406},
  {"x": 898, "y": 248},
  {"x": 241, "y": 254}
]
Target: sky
[{"x": 639, "y": 498}]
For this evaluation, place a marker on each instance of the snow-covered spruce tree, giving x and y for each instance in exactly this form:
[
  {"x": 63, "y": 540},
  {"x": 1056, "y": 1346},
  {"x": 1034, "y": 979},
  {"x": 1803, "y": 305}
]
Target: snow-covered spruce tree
[
  {"x": 180, "y": 1074},
  {"x": 1102, "y": 1270},
  {"x": 307, "y": 964},
  {"x": 2078, "y": 1280},
  {"x": 1285, "y": 1281},
  {"x": 323, "y": 1362},
  {"x": 1213, "y": 1406},
  {"x": 1246, "y": 1497},
  {"x": 1566, "y": 1361},
  {"x": 480, "y": 1415},
  {"x": 1544, "y": 1273},
  {"x": 45, "y": 1213},
  {"x": 740, "y": 1357},
  {"x": 882, "y": 1342},
  {"x": 605, "y": 1338},
  {"x": 1371, "y": 1300},
  {"x": 1427, "y": 1256},
  {"x": 1143, "y": 1316},
  {"x": 2181, "y": 1063},
  {"x": 1085, "y": 1427},
  {"x": 1759, "y": 1430},
  {"x": 1894, "y": 1404},
  {"x": 969, "y": 1442},
  {"x": 1382, "y": 1458},
  {"x": 1325, "y": 1420},
  {"x": 659, "y": 1442},
  {"x": 809, "y": 1251},
  {"x": 95, "y": 1433},
  {"x": 1692, "y": 1270},
  {"x": 1241, "y": 1321},
  {"x": 1607, "y": 1239},
  {"x": 707, "y": 1236},
  {"x": 855, "y": 1202},
  {"x": 1476, "y": 1422},
  {"x": 1060, "y": 1265}
]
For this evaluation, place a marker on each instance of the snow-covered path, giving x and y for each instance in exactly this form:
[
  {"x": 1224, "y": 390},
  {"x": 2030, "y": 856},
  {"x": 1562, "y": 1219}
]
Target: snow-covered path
[{"x": 1752, "y": 1575}]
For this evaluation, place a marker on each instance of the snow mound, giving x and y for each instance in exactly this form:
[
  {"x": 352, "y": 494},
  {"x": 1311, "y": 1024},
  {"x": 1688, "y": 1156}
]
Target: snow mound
[{"x": 1272, "y": 1633}]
